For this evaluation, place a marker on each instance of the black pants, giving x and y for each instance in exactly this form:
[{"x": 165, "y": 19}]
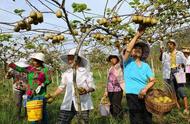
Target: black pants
[
  {"x": 137, "y": 110},
  {"x": 18, "y": 101},
  {"x": 65, "y": 117},
  {"x": 188, "y": 79},
  {"x": 115, "y": 100}
]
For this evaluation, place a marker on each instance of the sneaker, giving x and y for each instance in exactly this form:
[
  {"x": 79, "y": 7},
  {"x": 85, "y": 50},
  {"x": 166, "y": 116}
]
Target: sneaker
[{"x": 186, "y": 112}]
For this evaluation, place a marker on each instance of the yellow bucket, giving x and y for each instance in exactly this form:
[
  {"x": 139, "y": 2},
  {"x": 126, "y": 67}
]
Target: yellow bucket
[{"x": 34, "y": 110}]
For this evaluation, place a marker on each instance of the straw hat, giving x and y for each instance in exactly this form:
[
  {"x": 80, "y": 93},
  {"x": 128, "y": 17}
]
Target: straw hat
[
  {"x": 172, "y": 41},
  {"x": 145, "y": 49},
  {"x": 84, "y": 61},
  {"x": 22, "y": 63},
  {"x": 38, "y": 56},
  {"x": 186, "y": 50}
]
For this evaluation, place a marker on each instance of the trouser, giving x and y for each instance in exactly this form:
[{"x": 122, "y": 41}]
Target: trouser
[
  {"x": 188, "y": 79},
  {"x": 44, "y": 110},
  {"x": 115, "y": 100},
  {"x": 179, "y": 88},
  {"x": 18, "y": 101},
  {"x": 65, "y": 117},
  {"x": 137, "y": 110}
]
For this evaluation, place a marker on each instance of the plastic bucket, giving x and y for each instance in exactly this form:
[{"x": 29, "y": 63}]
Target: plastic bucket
[{"x": 34, "y": 110}]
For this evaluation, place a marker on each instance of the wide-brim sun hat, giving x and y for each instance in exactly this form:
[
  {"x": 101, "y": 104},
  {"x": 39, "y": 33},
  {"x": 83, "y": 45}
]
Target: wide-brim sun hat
[
  {"x": 186, "y": 50},
  {"x": 113, "y": 53},
  {"x": 145, "y": 49},
  {"x": 172, "y": 41},
  {"x": 38, "y": 56},
  {"x": 22, "y": 63},
  {"x": 83, "y": 62}
]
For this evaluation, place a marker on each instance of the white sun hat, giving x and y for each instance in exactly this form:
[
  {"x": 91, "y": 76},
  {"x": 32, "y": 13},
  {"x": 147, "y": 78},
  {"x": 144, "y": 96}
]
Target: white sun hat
[
  {"x": 38, "y": 56},
  {"x": 172, "y": 41},
  {"x": 22, "y": 63},
  {"x": 114, "y": 52},
  {"x": 84, "y": 61}
]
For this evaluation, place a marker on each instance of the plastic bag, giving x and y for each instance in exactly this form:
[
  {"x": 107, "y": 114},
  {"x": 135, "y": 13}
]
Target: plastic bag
[
  {"x": 187, "y": 69},
  {"x": 180, "y": 76},
  {"x": 105, "y": 106}
]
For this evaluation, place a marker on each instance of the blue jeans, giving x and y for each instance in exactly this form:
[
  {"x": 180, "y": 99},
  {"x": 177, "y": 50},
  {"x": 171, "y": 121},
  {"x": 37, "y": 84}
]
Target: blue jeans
[
  {"x": 44, "y": 113},
  {"x": 179, "y": 88}
]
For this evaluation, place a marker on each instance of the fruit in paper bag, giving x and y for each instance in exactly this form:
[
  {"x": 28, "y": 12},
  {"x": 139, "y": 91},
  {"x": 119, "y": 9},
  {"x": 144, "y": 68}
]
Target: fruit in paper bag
[
  {"x": 105, "y": 100},
  {"x": 50, "y": 100},
  {"x": 82, "y": 90},
  {"x": 47, "y": 96}
]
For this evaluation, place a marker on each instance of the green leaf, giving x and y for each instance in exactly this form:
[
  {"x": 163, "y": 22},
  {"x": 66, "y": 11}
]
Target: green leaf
[
  {"x": 79, "y": 7},
  {"x": 5, "y": 37},
  {"x": 76, "y": 21},
  {"x": 88, "y": 18},
  {"x": 136, "y": 2},
  {"x": 19, "y": 11},
  {"x": 30, "y": 45},
  {"x": 74, "y": 5},
  {"x": 131, "y": 3}
]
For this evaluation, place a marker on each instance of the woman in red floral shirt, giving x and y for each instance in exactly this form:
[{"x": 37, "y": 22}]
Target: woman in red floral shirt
[{"x": 38, "y": 80}]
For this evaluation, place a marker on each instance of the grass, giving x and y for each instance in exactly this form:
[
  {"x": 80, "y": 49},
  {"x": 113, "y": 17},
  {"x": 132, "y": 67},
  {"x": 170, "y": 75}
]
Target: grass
[{"x": 7, "y": 107}]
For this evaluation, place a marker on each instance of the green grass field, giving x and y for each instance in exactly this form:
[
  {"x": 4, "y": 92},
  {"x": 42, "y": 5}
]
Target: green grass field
[{"x": 7, "y": 108}]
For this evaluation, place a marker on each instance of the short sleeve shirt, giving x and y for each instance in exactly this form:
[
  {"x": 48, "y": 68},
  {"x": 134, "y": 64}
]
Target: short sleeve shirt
[{"x": 136, "y": 77}]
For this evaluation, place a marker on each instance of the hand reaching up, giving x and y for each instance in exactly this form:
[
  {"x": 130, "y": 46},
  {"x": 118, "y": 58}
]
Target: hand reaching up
[{"x": 141, "y": 30}]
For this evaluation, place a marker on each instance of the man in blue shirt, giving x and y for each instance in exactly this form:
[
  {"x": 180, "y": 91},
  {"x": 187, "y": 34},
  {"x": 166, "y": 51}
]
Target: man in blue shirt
[{"x": 138, "y": 79}]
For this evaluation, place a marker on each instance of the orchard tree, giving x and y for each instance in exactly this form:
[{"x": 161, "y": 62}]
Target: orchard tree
[{"x": 112, "y": 29}]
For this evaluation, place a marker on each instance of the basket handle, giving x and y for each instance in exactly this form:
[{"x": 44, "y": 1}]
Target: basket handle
[{"x": 171, "y": 91}]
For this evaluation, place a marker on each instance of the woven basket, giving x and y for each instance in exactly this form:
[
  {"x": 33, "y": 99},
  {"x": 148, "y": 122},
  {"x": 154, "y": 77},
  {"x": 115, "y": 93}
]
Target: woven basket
[{"x": 160, "y": 108}]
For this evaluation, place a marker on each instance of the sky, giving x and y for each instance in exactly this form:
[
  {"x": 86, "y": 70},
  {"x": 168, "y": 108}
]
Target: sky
[
  {"x": 7, "y": 14},
  {"x": 97, "y": 6}
]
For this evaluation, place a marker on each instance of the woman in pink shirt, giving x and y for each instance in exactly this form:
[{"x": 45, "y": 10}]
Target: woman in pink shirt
[{"x": 115, "y": 84}]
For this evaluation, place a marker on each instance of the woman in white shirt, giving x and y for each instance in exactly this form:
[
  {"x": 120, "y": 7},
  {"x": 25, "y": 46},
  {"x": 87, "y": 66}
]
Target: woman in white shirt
[{"x": 69, "y": 106}]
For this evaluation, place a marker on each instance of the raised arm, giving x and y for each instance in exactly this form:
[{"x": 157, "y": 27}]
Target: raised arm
[
  {"x": 9, "y": 74},
  {"x": 133, "y": 42},
  {"x": 17, "y": 68}
]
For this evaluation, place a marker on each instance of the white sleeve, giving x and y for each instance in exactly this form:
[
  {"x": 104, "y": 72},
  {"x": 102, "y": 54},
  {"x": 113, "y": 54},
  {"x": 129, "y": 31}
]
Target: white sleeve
[
  {"x": 90, "y": 80},
  {"x": 63, "y": 81},
  {"x": 163, "y": 57},
  {"x": 184, "y": 58}
]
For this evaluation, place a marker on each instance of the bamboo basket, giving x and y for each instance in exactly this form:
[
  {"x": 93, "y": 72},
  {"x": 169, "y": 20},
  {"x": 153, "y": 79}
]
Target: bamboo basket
[{"x": 160, "y": 108}]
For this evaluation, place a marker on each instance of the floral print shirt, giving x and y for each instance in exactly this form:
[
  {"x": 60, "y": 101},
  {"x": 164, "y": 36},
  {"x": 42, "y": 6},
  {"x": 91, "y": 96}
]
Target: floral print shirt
[
  {"x": 115, "y": 78},
  {"x": 36, "y": 77},
  {"x": 19, "y": 80}
]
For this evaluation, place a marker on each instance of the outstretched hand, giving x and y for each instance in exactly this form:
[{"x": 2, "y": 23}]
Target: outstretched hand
[
  {"x": 50, "y": 98},
  {"x": 82, "y": 91},
  {"x": 142, "y": 93},
  {"x": 141, "y": 30}
]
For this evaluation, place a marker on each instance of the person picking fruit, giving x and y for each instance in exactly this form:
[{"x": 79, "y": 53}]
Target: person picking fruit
[
  {"x": 19, "y": 85},
  {"x": 173, "y": 61},
  {"x": 38, "y": 80},
  {"x": 85, "y": 84},
  {"x": 138, "y": 78},
  {"x": 115, "y": 85}
]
